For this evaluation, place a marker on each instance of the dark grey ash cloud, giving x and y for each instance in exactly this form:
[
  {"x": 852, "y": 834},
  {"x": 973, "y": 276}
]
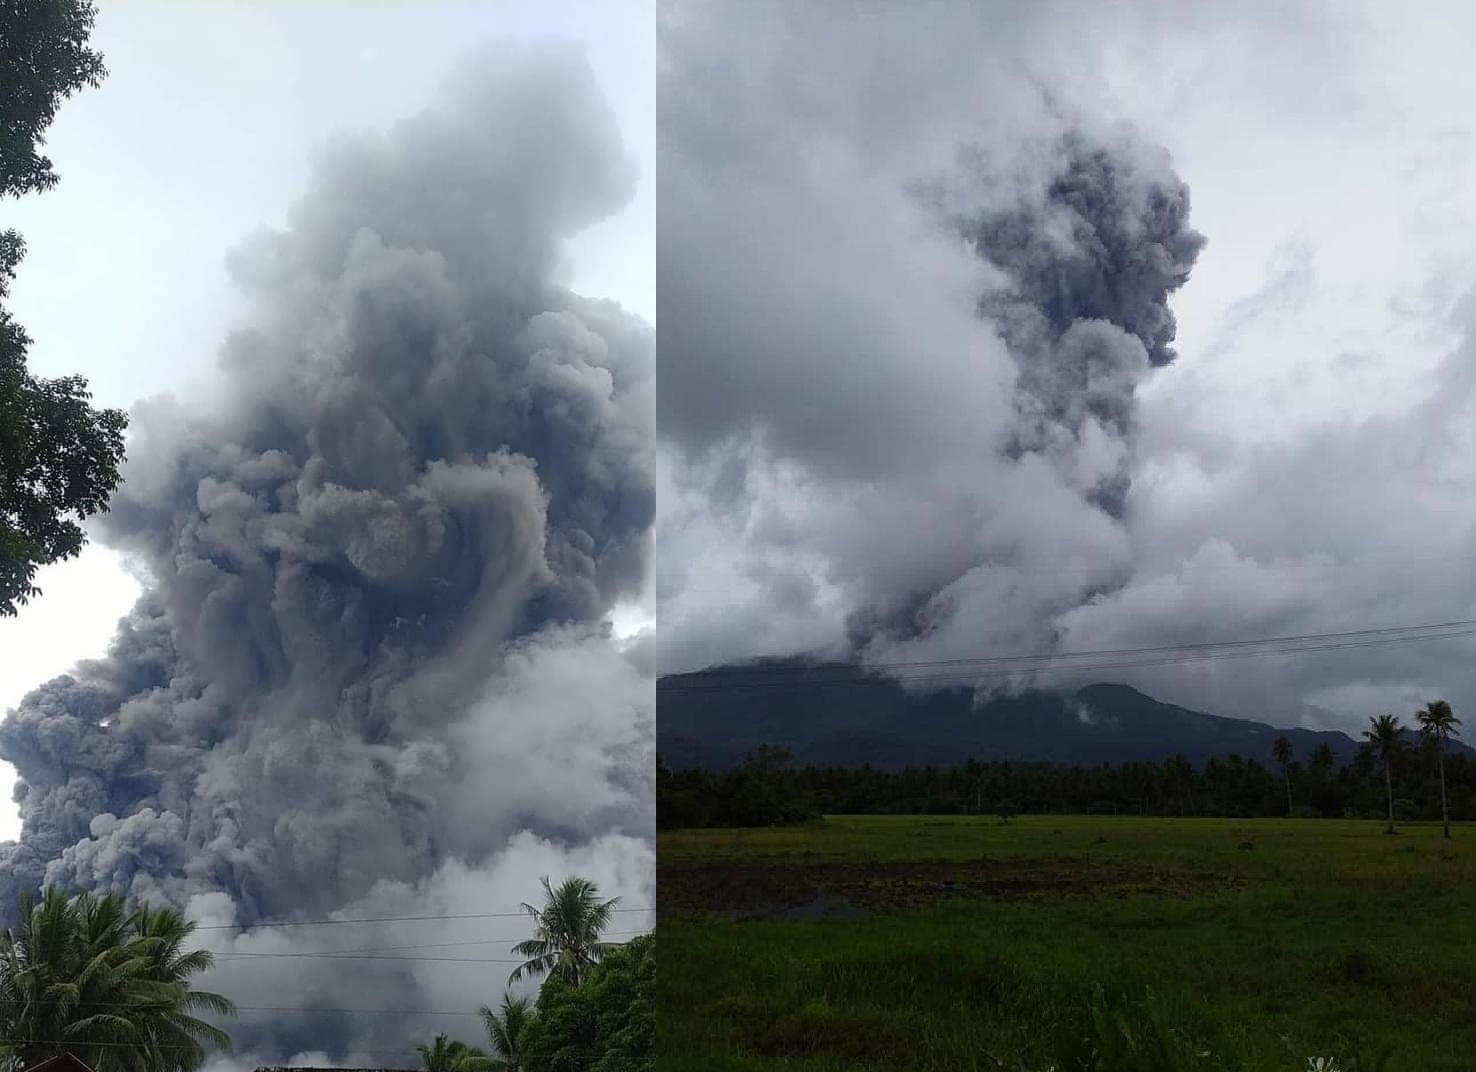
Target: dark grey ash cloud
[
  {"x": 1090, "y": 262},
  {"x": 368, "y": 670}
]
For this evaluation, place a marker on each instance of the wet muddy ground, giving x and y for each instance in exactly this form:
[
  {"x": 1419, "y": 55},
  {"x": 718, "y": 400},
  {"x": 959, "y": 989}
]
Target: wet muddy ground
[{"x": 758, "y": 890}]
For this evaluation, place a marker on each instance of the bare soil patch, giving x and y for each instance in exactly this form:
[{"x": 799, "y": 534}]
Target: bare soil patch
[{"x": 830, "y": 890}]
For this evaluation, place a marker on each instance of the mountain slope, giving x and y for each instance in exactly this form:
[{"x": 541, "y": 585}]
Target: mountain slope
[{"x": 836, "y": 715}]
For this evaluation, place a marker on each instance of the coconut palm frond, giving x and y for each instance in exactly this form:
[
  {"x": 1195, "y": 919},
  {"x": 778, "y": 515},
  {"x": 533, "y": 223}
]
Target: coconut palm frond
[
  {"x": 508, "y": 1028},
  {"x": 108, "y": 984}
]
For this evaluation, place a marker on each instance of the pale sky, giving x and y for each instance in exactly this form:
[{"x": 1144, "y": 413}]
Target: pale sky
[{"x": 204, "y": 132}]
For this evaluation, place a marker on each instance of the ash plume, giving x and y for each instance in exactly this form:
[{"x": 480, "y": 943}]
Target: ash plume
[
  {"x": 1087, "y": 249},
  {"x": 913, "y": 373},
  {"x": 368, "y": 675},
  {"x": 1091, "y": 262}
]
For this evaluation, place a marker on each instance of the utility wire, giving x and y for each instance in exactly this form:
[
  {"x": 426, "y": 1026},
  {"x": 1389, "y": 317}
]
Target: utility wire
[
  {"x": 1466, "y": 623},
  {"x": 374, "y": 954},
  {"x": 987, "y": 666},
  {"x": 133, "y": 1045},
  {"x": 336, "y": 954},
  {"x": 388, "y": 919},
  {"x": 233, "y": 957},
  {"x": 261, "y": 1008},
  {"x": 968, "y": 677},
  {"x": 412, "y": 948},
  {"x": 760, "y": 574}
]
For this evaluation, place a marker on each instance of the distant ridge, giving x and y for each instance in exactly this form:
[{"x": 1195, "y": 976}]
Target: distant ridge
[{"x": 838, "y": 715}]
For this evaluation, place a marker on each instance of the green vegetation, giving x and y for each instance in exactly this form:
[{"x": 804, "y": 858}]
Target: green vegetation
[
  {"x": 507, "y": 1026},
  {"x": 959, "y": 942},
  {"x": 108, "y": 985},
  {"x": 444, "y": 1054},
  {"x": 606, "y": 1023},
  {"x": 566, "y": 932},
  {"x": 1282, "y": 750},
  {"x": 59, "y": 457},
  {"x": 1383, "y": 736},
  {"x": 761, "y": 792},
  {"x": 1391, "y": 776},
  {"x": 1438, "y": 723},
  {"x": 596, "y": 1008}
]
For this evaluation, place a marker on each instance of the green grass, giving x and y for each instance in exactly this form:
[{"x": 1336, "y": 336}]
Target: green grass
[{"x": 962, "y": 943}]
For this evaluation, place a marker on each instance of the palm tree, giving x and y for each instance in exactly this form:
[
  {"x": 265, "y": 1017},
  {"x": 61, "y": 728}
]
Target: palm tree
[
  {"x": 1439, "y": 723},
  {"x": 449, "y": 1055},
  {"x": 181, "y": 1033},
  {"x": 566, "y": 932},
  {"x": 508, "y": 1027},
  {"x": 111, "y": 988},
  {"x": 1282, "y": 750},
  {"x": 1384, "y": 736}
]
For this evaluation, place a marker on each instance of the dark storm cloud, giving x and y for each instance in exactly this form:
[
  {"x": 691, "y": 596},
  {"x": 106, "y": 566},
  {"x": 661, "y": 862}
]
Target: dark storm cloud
[{"x": 379, "y": 557}]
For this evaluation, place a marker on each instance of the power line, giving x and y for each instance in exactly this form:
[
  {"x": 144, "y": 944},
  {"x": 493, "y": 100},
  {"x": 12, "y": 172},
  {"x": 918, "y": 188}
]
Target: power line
[
  {"x": 82, "y": 1045},
  {"x": 266, "y": 1008},
  {"x": 411, "y": 948},
  {"x": 968, "y": 677},
  {"x": 389, "y": 954},
  {"x": 324, "y": 1009},
  {"x": 825, "y": 573},
  {"x": 269, "y": 1008},
  {"x": 388, "y": 919},
  {"x": 408, "y": 1056},
  {"x": 376, "y": 955},
  {"x": 1466, "y": 623},
  {"x": 988, "y": 666}
]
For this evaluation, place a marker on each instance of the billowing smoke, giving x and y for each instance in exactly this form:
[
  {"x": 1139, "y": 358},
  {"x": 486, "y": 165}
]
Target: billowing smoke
[
  {"x": 912, "y": 373},
  {"x": 1088, "y": 249},
  {"x": 369, "y": 675},
  {"x": 1091, "y": 261},
  {"x": 918, "y": 391}
]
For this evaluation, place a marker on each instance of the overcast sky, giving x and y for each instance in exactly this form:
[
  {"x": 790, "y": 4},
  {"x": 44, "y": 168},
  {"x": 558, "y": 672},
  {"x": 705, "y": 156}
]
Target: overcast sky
[
  {"x": 834, "y": 407},
  {"x": 203, "y": 133}
]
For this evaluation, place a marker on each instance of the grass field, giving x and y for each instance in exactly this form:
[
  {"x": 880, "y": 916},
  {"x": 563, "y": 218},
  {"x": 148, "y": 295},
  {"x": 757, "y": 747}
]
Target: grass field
[{"x": 957, "y": 943}]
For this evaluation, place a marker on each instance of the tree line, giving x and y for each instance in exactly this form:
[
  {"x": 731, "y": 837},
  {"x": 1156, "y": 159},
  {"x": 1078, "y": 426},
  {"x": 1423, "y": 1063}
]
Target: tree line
[{"x": 1397, "y": 773}]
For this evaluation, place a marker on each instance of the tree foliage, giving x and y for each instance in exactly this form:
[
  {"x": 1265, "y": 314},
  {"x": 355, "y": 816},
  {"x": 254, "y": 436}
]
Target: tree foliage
[
  {"x": 59, "y": 462},
  {"x": 508, "y": 1027},
  {"x": 1281, "y": 749},
  {"x": 758, "y": 793},
  {"x": 59, "y": 457},
  {"x": 1385, "y": 738},
  {"x": 606, "y": 1024},
  {"x": 566, "y": 932},
  {"x": 109, "y": 986},
  {"x": 45, "y": 58},
  {"x": 1438, "y": 723},
  {"x": 445, "y": 1054},
  {"x": 1230, "y": 786},
  {"x": 596, "y": 1009}
]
